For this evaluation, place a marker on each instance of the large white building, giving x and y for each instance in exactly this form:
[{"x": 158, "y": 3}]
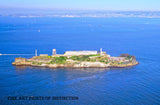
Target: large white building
[
  {"x": 80, "y": 53},
  {"x": 84, "y": 52}
]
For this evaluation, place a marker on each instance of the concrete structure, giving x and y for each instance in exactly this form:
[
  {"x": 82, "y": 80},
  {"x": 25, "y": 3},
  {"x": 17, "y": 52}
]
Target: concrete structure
[
  {"x": 20, "y": 60},
  {"x": 36, "y": 52},
  {"x": 67, "y": 53},
  {"x": 120, "y": 59},
  {"x": 101, "y": 51},
  {"x": 54, "y": 52},
  {"x": 43, "y": 55}
]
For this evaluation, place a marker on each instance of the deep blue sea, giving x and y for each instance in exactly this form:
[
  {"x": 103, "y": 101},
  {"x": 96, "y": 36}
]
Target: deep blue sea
[{"x": 138, "y": 85}]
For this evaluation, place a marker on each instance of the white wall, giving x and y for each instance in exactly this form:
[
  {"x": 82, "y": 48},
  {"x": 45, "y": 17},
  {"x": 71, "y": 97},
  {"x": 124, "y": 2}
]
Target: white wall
[{"x": 80, "y": 52}]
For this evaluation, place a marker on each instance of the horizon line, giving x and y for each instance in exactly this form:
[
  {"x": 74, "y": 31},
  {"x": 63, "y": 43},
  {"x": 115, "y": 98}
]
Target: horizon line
[{"x": 74, "y": 9}]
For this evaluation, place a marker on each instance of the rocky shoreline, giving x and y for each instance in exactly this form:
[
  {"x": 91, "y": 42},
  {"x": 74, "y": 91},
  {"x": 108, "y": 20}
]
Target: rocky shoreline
[
  {"x": 68, "y": 66},
  {"x": 81, "y": 61}
]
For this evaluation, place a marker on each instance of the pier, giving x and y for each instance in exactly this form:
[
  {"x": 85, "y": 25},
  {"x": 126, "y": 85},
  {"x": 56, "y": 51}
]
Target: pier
[
  {"x": 21, "y": 54},
  {"x": 16, "y": 54}
]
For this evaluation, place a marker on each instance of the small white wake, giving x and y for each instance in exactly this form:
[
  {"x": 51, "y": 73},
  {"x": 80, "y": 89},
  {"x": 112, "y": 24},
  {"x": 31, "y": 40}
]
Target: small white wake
[{"x": 76, "y": 80}]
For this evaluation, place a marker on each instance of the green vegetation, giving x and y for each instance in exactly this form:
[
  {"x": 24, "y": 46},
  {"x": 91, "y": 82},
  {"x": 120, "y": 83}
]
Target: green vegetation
[
  {"x": 49, "y": 56},
  {"x": 103, "y": 59},
  {"x": 42, "y": 57},
  {"x": 120, "y": 63},
  {"x": 34, "y": 63},
  {"x": 88, "y": 58},
  {"x": 94, "y": 55},
  {"x": 81, "y": 58},
  {"x": 39, "y": 63},
  {"x": 129, "y": 57},
  {"x": 58, "y": 60}
]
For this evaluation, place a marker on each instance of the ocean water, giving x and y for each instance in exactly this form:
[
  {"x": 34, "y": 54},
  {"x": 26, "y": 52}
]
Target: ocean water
[{"x": 94, "y": 86}]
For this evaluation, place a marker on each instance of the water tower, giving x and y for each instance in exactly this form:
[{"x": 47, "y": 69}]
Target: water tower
[{"x": 54, "y": 52}]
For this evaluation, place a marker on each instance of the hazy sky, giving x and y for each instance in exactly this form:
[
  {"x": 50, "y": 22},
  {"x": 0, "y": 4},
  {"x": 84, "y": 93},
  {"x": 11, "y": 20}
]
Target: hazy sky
[{"x": 84, "y": 4}]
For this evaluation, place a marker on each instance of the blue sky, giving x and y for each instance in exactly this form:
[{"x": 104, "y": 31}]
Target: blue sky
[{"x": 84, "y": 4}]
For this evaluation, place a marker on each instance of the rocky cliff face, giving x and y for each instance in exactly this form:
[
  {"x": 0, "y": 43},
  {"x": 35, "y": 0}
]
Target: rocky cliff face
[
  {"x": 82, "y": 61},
  {"x": 91, "y": 64},
  {"x": 76, "y": 64}
]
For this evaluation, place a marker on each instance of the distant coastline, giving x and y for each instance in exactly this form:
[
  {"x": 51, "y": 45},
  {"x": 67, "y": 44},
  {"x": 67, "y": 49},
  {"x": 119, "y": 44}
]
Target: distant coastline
[{"x": 80, "y": 13}]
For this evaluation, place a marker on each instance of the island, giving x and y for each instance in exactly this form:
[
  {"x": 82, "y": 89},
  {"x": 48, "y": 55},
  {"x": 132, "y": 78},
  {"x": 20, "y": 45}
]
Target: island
[{"x": 78, "y": 59}]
